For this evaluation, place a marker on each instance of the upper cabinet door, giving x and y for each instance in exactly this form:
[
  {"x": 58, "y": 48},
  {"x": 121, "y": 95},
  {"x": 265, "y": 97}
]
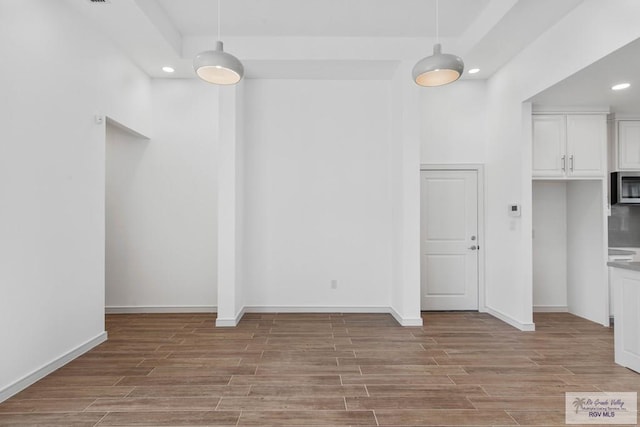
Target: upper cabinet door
[
  {"x": 549, "y": 146},
  {"x": 629, "y": 145},
  {"x": 586, "y": 145}
]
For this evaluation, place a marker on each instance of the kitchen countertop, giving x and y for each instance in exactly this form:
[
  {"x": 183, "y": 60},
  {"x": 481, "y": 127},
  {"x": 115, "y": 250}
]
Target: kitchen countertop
[
  {"x": 632, "y": 265},
  {"x": 620, "y": 252}
]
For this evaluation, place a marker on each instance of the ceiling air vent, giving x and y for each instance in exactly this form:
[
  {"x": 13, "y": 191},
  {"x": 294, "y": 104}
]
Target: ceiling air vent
[{"x": 100, "y": 1}]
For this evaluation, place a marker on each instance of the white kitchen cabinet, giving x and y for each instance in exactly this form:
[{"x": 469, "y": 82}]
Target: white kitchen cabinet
[
  {"x": 626, "y": 288},
  {"x": 617, "y": 255},
  {"x": 569, "y": 145},
  {"x": 628, "y": 145},
  {"x": 549, "y": 145}
]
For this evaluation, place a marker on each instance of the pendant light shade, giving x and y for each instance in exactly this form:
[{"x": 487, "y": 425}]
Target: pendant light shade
[
  {"x": 218, "y": 67},
  {"x": 438, "y": 69}
]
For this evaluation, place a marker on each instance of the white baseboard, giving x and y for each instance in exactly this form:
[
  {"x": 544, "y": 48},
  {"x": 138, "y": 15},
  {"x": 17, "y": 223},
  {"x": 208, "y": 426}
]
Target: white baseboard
[
  {"x": 314, "y": 309},
  {"x": 550, "y": 309},
  {"x": 233, "y": 321},
  {"x": 142, "y": 309},
  {"x": 45, "y": 370},
  {"x": 230, "y": 322},
  {"x": 405, "y": 321},
  {"x": 526, "y": 327},
  {"x": 226, "y": 323}
]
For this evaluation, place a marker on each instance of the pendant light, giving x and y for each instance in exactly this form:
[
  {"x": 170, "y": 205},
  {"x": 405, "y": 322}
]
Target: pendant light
[
  {"x": 217, "y": 66},
  {"x": 440, "y": 68}
]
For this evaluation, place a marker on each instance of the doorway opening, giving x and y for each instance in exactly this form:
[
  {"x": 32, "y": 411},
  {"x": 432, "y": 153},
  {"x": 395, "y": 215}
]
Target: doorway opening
[{"x": 124, "y": 150}]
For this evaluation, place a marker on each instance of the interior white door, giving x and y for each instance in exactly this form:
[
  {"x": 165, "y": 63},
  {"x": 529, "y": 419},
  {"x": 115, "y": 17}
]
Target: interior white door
[{"x": 449, "y": 240}]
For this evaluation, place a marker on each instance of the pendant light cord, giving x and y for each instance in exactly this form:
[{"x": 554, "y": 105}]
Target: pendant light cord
[
  {"x": 437, "y": 23},
  {"x": 218, "y": 20}
]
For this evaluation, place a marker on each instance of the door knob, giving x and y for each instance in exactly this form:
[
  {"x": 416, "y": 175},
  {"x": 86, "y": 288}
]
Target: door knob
[{"x": 473, "y": 248}]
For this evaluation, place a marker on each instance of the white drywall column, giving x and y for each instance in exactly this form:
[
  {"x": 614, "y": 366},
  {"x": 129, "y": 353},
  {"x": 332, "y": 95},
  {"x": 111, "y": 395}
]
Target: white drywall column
[
  {"x": 230, "y": 198},
  {"x": 405, "y": 155}
]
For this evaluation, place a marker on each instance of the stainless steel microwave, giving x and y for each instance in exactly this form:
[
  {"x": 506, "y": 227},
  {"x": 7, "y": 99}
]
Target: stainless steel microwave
[{"x": 625, "y": 187}]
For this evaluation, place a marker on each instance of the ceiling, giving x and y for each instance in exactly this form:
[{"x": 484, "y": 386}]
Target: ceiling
[
  {"x": 321, "y": 39},
  {"x": 590, "y": 88},
  {"x": 357, "y": 39},
  {"x": 327, "y": 18}
]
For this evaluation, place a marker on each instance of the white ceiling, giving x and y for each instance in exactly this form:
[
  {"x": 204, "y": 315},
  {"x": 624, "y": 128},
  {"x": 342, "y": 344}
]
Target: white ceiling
[
  {"x": 356, "y": 39},
  {"x": 322, "y": 38},
  {"x": 325, "y": 18},
  {"x": 590, "y": 88}
]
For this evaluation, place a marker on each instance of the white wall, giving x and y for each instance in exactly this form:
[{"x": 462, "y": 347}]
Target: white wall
[
  {"x": 550, "y": 245},
  {"x": 453, "y": 121},
  {"x": 57, "y": 74},
  {"x": 586, "y": 34},
  {"x": 318, "y": 200},
  {"x": 162, "y": 204}
]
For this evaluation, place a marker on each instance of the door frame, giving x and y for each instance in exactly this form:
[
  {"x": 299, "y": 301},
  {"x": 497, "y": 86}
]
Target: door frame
[{"x": 479, "y": 169}]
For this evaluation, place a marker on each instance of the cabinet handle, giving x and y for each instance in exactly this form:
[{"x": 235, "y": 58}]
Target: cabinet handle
[
  {"x": 564, "y": 163},
  {"x": 571, "y": 162}
]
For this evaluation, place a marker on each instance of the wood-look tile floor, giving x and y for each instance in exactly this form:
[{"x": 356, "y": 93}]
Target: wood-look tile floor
[{"x": 325, "y": 370}]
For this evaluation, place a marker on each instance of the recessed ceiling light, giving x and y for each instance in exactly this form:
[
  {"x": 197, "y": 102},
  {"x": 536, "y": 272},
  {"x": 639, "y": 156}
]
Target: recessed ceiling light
[
  {"x": 168, "y": 69},
  {"x": 620, "y": 86},
  {"x": 474, "y": 70}
]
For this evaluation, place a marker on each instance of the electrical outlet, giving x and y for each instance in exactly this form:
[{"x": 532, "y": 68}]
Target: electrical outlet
[{"x": 334, "y": 284}]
